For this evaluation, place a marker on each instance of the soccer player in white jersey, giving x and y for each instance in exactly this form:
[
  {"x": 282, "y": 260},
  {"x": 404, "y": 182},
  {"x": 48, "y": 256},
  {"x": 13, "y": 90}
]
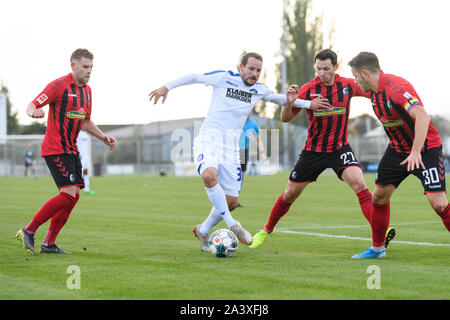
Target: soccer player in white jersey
[{"x": 216, "y": 148}]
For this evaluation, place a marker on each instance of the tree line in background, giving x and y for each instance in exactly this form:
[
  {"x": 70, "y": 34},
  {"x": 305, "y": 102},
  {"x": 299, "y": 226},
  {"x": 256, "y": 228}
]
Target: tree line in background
[
  {"x": 303, "y": 38},
  {"x": 13, "y": 125}
]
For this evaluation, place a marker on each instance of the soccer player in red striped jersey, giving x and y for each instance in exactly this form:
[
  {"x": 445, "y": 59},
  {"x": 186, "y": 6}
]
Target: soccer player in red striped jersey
[
  {"x": 414, "y": 148},
  {"x": 326, "y": 145},
  {"x": 70, "y": 106}
]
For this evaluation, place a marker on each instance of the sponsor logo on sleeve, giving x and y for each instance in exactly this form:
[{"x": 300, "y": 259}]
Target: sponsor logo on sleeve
[{"x": 42, "y": 98}]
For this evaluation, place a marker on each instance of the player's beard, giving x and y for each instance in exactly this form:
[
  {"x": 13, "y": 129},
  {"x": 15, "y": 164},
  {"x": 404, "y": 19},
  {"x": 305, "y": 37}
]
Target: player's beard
[{"x": 249, "y": 84}]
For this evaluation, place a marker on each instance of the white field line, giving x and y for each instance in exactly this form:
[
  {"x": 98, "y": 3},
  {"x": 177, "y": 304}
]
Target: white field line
[
  {"x": 324, "y": 235},
  {"x": 356, "y": 226}
]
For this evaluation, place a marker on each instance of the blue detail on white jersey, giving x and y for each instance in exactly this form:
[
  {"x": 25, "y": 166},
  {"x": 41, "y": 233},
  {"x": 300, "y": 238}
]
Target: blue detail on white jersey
[
  {"x": 213, "y": 72},
  {"x": 234, "y": 74}
]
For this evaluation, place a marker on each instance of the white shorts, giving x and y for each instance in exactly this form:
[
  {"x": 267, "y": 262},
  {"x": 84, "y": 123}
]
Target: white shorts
[{"x": 228, "y": 167}]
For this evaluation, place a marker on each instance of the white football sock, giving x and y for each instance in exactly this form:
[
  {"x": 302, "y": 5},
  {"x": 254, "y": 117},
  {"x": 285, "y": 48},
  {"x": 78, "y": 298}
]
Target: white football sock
[
  {"x": 377, "y": 249},
  {"x": 219, "y": 201},
  {"x": 86, "y": 182},
  {"x": 213, "y": 219}
]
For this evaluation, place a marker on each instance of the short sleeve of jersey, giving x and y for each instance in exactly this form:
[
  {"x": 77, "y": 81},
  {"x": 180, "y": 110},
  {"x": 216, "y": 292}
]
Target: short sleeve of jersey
[
  {"x": 213, "y": 78},
  {"x": 402, "y": 93},
  {"x": 48, "y": 95}
]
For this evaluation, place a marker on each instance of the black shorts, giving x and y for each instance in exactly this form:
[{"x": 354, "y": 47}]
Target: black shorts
[
  {"x": 433, "y": 177},
  {"x": 311, "y": 164},
  {"x": 244, "y": 159},
  {"x": 65, "y": 170}
]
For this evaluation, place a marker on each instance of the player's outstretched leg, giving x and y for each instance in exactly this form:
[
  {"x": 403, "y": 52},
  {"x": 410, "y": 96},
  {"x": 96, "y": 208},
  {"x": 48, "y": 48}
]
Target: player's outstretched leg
[
  {"x": 243, "y": 235},
  {"x": 280, "y": 208},
  {"x": 27, "y": 240},
  {"x": 203, "y": 238}
]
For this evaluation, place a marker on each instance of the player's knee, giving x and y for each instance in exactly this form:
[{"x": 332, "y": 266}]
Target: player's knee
[
  {"x": 72, "y": 191},
  {"x": 438, "y": 205},
  {"x": 358, "y": 185},
  {"x": 290, "y": 195},
  {"x": 209, "y": 179},
  {"x": 232, "y": 204},
  {"x": 380, "y": 198}
]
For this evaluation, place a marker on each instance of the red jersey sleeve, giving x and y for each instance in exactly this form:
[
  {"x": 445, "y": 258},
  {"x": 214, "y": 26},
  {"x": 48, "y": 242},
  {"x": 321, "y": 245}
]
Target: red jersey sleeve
[
  {"x": 47, "y": 96},
  {"x": 402, "y": 93},
  {"x": 357, "y": 91}
]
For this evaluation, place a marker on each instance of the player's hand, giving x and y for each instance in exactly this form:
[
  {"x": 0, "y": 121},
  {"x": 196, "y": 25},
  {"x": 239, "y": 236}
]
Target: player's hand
[
  {"x": 110, "y": 141},
  {"x": 35, "y": 112},
  {"x": 413, "y": 161},
  {"x": 320, "y": 104},
  {"x": 158, "y": 93},
  {"x": 292, "y": 94}
]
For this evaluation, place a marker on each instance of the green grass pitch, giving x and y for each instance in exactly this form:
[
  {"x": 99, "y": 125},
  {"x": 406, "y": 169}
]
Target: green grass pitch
[{"x": 133, "y": 240}]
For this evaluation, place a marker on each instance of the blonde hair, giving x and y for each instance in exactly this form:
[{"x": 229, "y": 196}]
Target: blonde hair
[{"x": 81, "y": 53}]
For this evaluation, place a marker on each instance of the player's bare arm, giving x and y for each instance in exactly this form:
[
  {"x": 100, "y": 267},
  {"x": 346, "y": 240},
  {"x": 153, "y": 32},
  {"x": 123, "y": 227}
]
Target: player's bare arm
[
  {"x": 90, "y": 127},
  {"x": 34, "y": 112},
  {"x": 158, "y": 93},
  {"x": 422, "y": 122}
]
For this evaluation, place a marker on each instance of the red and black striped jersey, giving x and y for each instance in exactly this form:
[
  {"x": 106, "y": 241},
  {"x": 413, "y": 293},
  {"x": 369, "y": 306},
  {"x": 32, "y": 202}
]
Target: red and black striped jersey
[
  {"x": 69, "y": 105},
  {"x": 328, "y": 130},
  {"x": 392, "y": 102}
]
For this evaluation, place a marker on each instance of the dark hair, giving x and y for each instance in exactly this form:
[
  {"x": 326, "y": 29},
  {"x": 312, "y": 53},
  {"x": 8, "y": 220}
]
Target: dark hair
[
  {"x": 81, "y": 53},
  {"x": 245, "y": 58},
  {"x": 365, "y": 60},
  {"x": 327, "y": 54}
]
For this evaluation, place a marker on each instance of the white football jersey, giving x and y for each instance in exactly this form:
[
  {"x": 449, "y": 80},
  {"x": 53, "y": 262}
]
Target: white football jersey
[{"x": 231, "y": 102}]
